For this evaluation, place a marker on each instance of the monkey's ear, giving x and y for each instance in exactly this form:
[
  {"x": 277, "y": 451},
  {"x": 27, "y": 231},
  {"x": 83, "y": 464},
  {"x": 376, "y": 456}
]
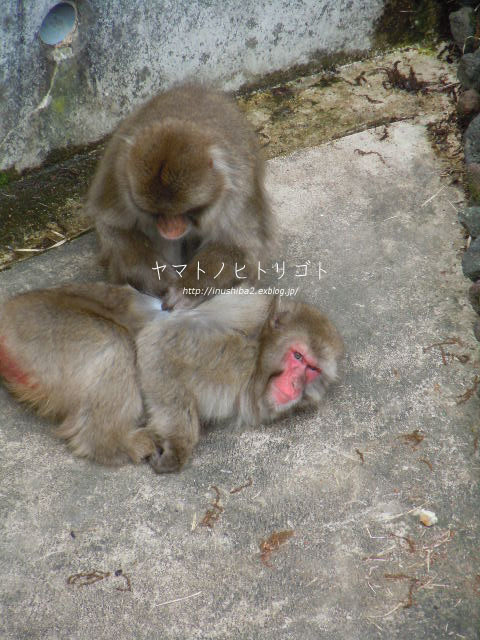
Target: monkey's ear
[{"x": 219, "y": 161}]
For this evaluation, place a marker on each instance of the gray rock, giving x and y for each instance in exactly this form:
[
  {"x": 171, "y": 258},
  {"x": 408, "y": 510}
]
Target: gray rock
[
  {"x": 476, "y": 330},
  {"x": 472, "y": 141},
  {"x": 474, "y": 296},
  {"x": 473, "y": 181},
  {"x": 470, "y": 218},
  {"x": 471, "y": 261},
  {"x": 468, "y": 103},
  {"x": 462, "y": 26},
  {"x": 468, "y": 71}
]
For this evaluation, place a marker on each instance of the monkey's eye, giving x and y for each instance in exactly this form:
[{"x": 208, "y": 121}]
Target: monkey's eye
[{"x": 297, "y": 355}]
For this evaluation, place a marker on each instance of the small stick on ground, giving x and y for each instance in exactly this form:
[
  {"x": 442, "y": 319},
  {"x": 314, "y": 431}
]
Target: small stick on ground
[
  {"x": 385, "y": 133},
  {"x": 398, "y": 80},
  {"x": 469, "y": 392},
  {"x": 87, "y": 577},
  {"x": 360, "y": 78},
  {"x": 243, "y": 486},
  {"x": 212, "y": 515},
  {"x": 411, "y": 544},
  {"x": 371, "y": 100},
  {"x": 427, "y": 462},
  {"x": 413, "y": 585},
  {"x": 463, "y": 358},
  {"x": 368, "y": 153},
  {"x": 192, "y": 595},
  {"x": 360, "y": 455},
  {"x": 128, "y": 584},
  {"x": 414, "y": 438},
  {"x": 272, "y": 543}
]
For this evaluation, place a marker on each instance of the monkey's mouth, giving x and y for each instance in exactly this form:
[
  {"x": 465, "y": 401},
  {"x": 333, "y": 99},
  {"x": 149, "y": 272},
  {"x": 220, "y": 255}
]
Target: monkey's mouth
[
  {"x": 285, "y": 398},
  {"x": 172, "y": 227}
]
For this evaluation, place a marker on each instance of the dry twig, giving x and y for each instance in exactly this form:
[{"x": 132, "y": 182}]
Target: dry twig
[
  {"x": 272, "y": 543},
  {"x": 469, "y": 392},
  {"x": 212, "y": 515},
  {"x": 87, "y": 577},
  {"x": 243, "y": 486}
]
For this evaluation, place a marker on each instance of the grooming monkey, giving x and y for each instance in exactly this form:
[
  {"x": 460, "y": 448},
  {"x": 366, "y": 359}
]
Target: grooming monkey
[
  {"x": 129, "y": 381},
  {"x": 181, "y": 182}
]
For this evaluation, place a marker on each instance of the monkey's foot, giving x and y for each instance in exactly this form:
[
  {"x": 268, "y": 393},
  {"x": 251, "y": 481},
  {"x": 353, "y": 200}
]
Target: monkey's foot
[{"x": 163, "y": 461}]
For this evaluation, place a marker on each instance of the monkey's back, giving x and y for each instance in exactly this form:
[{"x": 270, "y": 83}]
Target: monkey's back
[
  {"x": 212, "y": 111},
  {"x": 211, "y": 367}
]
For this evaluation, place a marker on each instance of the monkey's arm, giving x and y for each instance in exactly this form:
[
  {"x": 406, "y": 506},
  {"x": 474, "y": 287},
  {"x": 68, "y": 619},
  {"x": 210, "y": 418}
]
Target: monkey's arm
[
  {"x": 131, "y": 258},
  {"x": 214, "y": 267},
  {"x": 122, "y": 305},
  {"x": 172, "y": 417}
]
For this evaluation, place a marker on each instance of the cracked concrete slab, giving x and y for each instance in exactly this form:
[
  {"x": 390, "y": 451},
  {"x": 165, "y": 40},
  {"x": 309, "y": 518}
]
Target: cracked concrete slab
[{"x": 398, "y": 432}]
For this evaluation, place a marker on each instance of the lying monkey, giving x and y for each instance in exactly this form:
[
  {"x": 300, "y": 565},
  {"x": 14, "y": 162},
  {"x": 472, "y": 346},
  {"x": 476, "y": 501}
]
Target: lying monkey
[{"x": 130, "y": 381}]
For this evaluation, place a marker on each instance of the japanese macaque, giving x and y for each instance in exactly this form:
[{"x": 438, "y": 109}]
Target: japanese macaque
[
  {"x": 181, "y": 183},
  {"x": 129, "y": 381}
]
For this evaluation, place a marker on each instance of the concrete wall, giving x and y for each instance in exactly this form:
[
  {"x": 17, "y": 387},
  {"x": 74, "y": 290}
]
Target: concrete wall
[{"x": 122, "y": 51}]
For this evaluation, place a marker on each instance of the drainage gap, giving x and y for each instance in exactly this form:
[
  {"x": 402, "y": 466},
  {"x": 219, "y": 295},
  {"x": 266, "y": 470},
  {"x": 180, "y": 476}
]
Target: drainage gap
[{"x": 58, "y": 24}]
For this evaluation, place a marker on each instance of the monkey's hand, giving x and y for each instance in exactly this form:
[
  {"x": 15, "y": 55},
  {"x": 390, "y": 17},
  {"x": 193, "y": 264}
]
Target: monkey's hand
[
  {"x": 175, "y": 298},
  {"x": 210, "y": 270}
]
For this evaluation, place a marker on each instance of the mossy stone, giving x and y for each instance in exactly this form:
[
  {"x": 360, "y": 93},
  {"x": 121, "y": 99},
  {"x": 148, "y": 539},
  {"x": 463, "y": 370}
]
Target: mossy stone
[
  {"x": 470, "y": 218},
  {"x": 471, "y": 261}
]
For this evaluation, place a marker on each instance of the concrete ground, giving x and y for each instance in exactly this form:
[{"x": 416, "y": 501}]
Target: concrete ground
[{"x": 399, "y": 431}]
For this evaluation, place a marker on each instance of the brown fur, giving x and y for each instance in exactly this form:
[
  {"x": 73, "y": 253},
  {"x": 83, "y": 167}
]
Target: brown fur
[
  {"x": 188, "y": 151},
  {"x": 128, "y": 381}
]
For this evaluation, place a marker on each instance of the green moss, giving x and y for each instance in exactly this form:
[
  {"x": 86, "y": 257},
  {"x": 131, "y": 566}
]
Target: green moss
[
  {"x": 474, "y": 193},
  {"x": 406, "y": 22},
  {"x": 428, "y": 51},
  {"x": 58, "y": 104},
  {"x": 319, "y": 61},
  {"x": 65, "y": 100},
  {"x": 8, "y": 176}
]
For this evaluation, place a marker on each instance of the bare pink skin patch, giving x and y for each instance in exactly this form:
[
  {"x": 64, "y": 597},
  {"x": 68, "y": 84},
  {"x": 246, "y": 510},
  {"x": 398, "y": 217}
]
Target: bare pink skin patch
[
  {"x": 10, "y": 370},
  {"x": 172, "y": 228},
  {"x": 298, "y": 371}
]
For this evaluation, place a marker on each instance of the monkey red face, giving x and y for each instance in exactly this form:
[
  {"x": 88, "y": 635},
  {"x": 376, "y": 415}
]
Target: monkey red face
[
  {"x": 173, "y": 227},
  {"x": 299, "y": 370}
]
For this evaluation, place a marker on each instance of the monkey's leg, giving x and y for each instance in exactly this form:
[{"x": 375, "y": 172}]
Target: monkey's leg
[
  {"x": 71, "y": 364},
  {"x": 177, "y": 434},
  {"x": 105, "y": 424},
  {"x": 107, "y": 435},
  {"x": 120, "y": 304}
]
